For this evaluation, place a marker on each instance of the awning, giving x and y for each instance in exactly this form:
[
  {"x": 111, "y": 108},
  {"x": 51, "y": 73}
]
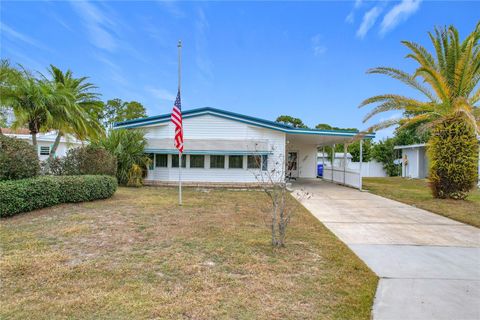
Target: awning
[{"x": 209, "y": 146}]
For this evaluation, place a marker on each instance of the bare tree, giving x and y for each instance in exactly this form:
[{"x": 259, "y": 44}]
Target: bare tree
[{"x": 272, "y": 178}]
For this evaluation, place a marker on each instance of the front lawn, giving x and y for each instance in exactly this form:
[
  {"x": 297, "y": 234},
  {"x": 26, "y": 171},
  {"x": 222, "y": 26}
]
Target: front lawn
[
  {"x": 138, "y": 255},
  {"x": 416, "y": 192}
]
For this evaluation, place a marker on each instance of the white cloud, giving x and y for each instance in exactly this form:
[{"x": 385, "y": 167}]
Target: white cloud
[
  {"x": 358, "y": 3},
  {"x": 351, "y": 17},
  {"x": 368, "y": 21},
  {"x": 172, "y": 7},
  {"x": 99, "y": 26},
  {"x": 399, "y": 13},
  {"x": 317, "y": 46},
  {"x": 15, "y": 35},
  {"x": 160, "y": 93},
  {"x": 202, "y": 59}
]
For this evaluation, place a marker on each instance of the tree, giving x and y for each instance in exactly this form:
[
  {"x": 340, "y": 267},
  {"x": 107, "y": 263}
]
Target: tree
[
  {"x": 127, "y": 145},
  {"x": 116, "y": 110},
  {"x": 75, "y": 115},
  {"x": 33, "y": 101},
  {"x": 291, "y": 121},
  {"x": 354, "y": 150},
  {"x": 384, "y": 152},
  {"x": 448, "y": 83}
]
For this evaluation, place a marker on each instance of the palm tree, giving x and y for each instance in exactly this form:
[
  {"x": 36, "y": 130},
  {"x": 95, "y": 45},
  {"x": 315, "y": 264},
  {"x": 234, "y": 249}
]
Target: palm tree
[
  {"x": 75, "y": 116},
  {"x": 33, "y": 102},
  {"x": 448, "y": 82}
]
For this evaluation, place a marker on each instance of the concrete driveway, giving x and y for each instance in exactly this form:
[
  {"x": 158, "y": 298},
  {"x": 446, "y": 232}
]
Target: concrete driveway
[{"x": 428, "y": 265}]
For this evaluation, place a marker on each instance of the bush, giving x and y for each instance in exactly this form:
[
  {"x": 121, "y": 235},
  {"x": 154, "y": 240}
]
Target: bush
[
  {"x": 384, "y": 152},
  {"x": 128, "y": 146},
  {"x": 85, "y": 160},
  {"x": 135, "y": 176},
  {"x": 453, "y": 151},
  {"x": 40, "y": 192},
  {"x": 18, "y": 159}
]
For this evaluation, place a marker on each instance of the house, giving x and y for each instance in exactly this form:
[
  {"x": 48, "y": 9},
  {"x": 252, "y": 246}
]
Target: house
[
  {"x": 45, "y": 142},
  {"x": 222, "y": 147},
  {"x": 414, "y": 161}
]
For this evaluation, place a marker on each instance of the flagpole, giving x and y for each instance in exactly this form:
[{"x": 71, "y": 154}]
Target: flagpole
[{"x": 179, "y": 45}]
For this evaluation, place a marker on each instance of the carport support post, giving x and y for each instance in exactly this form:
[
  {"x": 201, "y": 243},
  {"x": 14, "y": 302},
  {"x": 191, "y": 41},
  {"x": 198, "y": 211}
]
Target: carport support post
[
  {"x": 360, "y": 166},
  {"x": 344, "y": 161},
  {"x": 333, "y": 158},
  {"x": 323, "y": 163}
]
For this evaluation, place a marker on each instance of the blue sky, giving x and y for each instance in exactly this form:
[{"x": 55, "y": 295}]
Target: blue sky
[{"x": 306, "y": 59}]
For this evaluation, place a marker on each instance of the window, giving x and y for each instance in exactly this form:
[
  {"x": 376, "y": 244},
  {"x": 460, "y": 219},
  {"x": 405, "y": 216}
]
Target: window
[
  {"x": 265, "y": 162},
  {"x": 44, "y": 150},
  {"x": 235, "y": 162},
  {"x": 217, "y": 162},
  {"x": 197, "y": 161},
  {"x": 175, "y": 161},
  {"x": 254, "y": 162},
  {"x": 161, "y": 160},
  {"x": 151, "y": 156}
]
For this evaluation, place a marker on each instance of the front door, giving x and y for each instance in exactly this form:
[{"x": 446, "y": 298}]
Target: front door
[{"x": 292, "y": 164}]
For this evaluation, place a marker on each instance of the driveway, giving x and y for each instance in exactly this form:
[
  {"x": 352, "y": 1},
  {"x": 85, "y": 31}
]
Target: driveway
[{"x": 428, "y": 265}]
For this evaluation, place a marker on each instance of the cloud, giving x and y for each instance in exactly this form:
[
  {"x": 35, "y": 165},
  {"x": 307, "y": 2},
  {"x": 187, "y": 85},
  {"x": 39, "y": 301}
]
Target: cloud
[
  {"x": 99, "y": 26},
  {"x": 358, "y": 3},
  {"x": 351, "y": 17},
  {"x": 160, "y": 93},
  {"x": 317, "y": 46},
  {"x": 15, "y": 35},
  {"x": 201, "y": 43},
  {"x": 399, "y": 13},
  {"x": 368, "y": 21},
  {"x": 171, "y": 7}
]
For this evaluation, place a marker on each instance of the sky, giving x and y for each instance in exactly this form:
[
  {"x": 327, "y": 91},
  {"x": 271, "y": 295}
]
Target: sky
[{"x": 263, "y": 59}]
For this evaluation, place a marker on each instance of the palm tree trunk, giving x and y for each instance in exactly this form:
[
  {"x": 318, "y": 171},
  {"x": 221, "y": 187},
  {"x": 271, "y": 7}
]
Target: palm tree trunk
[
  {"x": 55, "y": 145},
  {"x": 34, "y": 139}
]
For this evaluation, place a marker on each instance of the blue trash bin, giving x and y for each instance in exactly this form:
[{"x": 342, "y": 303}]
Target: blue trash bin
[{"x": 320, "y": 170}]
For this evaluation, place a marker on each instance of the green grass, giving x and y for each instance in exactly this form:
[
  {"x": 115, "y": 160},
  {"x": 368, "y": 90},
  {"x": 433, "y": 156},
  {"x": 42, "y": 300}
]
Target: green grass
[
  {"x": 138, "y": 255},
  {"x": 416, "y": 192}
]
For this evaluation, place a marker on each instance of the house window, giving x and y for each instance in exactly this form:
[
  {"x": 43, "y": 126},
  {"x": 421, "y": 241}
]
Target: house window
[
  {"x": 217, "y": 162},
  {"x": 254, "y": 162},
  {"x": 44, "y": 150},
  {"x": 161, "y": 160},
  {"x": 235, "y": 162},
  {"x": 265, "y": 162},
  {"x": 175, "y": 161},
  {"x": 197, "y": 161}
]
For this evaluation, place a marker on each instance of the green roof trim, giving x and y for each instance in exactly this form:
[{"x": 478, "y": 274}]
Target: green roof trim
[{"x": 137, "y": 123}]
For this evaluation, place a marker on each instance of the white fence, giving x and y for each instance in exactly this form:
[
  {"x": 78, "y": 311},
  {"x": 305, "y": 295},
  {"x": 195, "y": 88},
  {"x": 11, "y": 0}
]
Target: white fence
[{"x": 346, "y": 177}]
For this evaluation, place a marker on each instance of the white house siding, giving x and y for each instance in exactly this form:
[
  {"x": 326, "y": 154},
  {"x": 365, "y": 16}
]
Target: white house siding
[
  {"x": 214, "y": 128},
  {"x": 411, "y": 169},
  {"x": 307, "y": 159}
]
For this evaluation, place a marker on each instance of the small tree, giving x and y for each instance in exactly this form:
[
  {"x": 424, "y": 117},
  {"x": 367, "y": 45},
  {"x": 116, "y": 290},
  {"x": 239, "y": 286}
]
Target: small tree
[
  {"x": 384, "y": 152},
  {"x": 282, "y": 204}
]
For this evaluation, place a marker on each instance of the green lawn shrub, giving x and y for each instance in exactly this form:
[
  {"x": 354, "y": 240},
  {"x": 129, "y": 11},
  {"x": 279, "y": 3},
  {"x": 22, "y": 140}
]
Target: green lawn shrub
[
  {"x": 86, "y": 160},
  {"x": 25, "y": 195},
  {"x": 18, "y": 159},
  {"x": 453, "y": 152}
]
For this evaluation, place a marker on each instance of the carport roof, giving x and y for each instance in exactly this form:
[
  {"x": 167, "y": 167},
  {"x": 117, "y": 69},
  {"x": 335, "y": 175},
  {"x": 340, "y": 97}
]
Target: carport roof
[{"x": 136, "y": 123}]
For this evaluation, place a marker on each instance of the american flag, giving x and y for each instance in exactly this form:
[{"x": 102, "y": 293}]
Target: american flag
[{"x": 176, "y": 118}]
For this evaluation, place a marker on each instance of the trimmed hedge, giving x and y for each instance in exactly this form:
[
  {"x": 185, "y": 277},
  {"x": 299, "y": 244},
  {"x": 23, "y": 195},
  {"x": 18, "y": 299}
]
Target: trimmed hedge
[
  {"x": 18, "y": 159},
  {"x": 24, "y": 195}
]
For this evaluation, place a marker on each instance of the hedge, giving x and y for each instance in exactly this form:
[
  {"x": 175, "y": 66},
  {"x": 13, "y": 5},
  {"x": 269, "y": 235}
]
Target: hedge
[{"x": 24, "y": 195}]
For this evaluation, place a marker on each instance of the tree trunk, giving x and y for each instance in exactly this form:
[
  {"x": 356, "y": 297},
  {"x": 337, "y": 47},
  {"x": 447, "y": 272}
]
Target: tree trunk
[{"x": 55, "y": 145}]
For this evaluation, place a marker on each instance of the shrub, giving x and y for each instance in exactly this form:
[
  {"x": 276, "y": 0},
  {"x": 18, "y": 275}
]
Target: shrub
[
  {"x": 18, "y": 159},
  {"x": 85, "y": 160},
  {"x": 128, "y": 146},
  {"x": 45, "y": 191},
  {"x": 384, "y": 152},
  {"x": 453, "y": 151},
  {"x": 135, "y": 176}
]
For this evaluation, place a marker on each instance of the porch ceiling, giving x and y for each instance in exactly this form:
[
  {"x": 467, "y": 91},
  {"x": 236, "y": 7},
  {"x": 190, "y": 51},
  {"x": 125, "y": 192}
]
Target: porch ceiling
[{"x": 317, "y": 140}]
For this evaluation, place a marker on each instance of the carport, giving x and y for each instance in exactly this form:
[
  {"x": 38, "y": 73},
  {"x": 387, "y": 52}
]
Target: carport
[{"x": 302, "y": 147}]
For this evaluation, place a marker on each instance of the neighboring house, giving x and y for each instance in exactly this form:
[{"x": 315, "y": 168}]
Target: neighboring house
[
  {"x": 371, "y": 168},
  {"x": 414, "y": 161},
  {"x": 45, "y": 142},
  {"x": 227, "y": 147}
]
